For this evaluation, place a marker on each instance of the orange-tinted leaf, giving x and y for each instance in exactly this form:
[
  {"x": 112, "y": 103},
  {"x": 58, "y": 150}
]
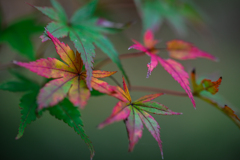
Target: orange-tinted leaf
[
  {"x": 193, "y": 80},
  {"x": 211, "y": 86},
  {"x": 183, "y": 50},
  {"x": 104, "y": 87},
  {"x": 71, "y": 79},
  {"x": 230, "y": 112},
  {"x": 65, "y": 52},
  {"x": 78, "y": 61},
  {"x": 49, "y": 68},
  {"x": 135, "y": 115},
  {"x": 102, "y": 74},
  {"x": 175, "y": 69},
  {"x": 126, "y": 90},
  {"x": 54, "y": 91},
  {"x": 79, "y": 93},
  {"x": 149, "y": 97}
]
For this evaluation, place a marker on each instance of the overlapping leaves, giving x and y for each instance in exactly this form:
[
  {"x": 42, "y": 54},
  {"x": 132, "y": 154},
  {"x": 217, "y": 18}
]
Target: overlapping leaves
[
  {"x": 84, "y": 29},
  {"x": 69, "y": 77},
  {"x": 207, "y": 90},
  {"x": 136, "y": 113},
  {"x": 177, "y": 49},
  {"x": 28, "y": 104}
]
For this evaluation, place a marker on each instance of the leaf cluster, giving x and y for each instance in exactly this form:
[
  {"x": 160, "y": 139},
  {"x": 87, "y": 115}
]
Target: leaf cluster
[{"x": 71, "y": 80}]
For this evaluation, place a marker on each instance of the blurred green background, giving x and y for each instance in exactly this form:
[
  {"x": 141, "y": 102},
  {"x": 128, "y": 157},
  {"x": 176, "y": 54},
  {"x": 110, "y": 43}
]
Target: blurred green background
[{"x": 204, "y": 133}]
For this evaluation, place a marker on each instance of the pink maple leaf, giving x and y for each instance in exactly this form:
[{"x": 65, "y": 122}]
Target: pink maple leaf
[
  {"x": 136, "y": 113},
  {"x": 177, "y": 49}
]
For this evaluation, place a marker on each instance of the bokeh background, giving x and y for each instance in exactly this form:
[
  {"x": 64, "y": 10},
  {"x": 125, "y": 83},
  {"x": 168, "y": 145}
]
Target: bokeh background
[{"x": 204, "y": 133}]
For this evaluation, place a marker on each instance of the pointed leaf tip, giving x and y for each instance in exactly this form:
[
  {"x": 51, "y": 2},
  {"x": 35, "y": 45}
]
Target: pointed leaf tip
[
  {"x": 182, "y": 50},
  {"x": 194, "y": 71},
  {"x": 230, "y": 112},
  {"x": 179, "y": 74},
  {"x": 210, "y": 86}
]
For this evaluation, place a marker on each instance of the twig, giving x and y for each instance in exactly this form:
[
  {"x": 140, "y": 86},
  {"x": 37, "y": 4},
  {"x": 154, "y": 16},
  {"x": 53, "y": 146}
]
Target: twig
[
  {"x": 216, "y": 105},
  {"x": 158, "y": 90},
  {"x": 123, "y": 56}
]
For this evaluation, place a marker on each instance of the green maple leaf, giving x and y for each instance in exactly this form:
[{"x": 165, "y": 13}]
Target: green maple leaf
[
  {"x": 175, "y": 12},
  {"x": 84, "y": 29},
  {"x": 18, "y": 35},
  {"x": 71, "y": 115},
  {"x": 28, "y": 104}
]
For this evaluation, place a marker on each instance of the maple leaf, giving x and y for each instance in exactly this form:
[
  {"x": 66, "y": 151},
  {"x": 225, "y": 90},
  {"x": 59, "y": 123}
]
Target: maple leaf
[
  {"x": 68, "y": 77},
  {"x": 20, "y": 85},
  {"x": 177, "y": 13},
  {"x": 28, "y": 103},
  {"x": 175, "y": 69},
  {"x": 179, "y": 49},
  {"x": 28, "y": 108},
  {"x": 84, "y": 29},
  {"x": 205, "y": 85},
  {"x": 71, "y": 115},
  {"x": 206, "y": 90},
  {"x": 230, "y": 112},
  {"x": 136, "y": 113}
]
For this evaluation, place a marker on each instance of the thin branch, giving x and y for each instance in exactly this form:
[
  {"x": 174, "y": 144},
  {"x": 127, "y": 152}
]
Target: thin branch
[
  {"x": 123, "y": 56},
  {"x": 175, "y": 93},
  {"x": 114, "y": 80},
  {"x": 158, "y": 90},
  {"x": 216, "y": 105}
]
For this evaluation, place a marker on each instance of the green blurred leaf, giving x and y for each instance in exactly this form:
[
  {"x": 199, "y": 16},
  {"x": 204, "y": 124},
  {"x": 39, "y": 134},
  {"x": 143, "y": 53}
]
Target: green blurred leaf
[
  {"x": 23, "y": 84},
  {"x": 28, "y": 106},
  {"x": 175, "y": 12},
  {"x": 84, "y": 29},
  {"x": 15, "y": 86},
  {"x": 18, "y": 35},
  {"x": 71, "y": 115}
]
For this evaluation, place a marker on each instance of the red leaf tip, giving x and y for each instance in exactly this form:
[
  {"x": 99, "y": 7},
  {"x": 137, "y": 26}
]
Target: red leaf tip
[{"x": 194, "y": 71}]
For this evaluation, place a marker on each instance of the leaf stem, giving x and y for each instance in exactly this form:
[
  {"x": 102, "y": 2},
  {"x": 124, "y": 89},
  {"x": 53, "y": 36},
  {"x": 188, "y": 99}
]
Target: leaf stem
[
  {"x": 158, "y": 90},
  {"x": 183, "y": 94},
  {"x": 220, "y": 108},
  {"x": 123, "y": 56}
]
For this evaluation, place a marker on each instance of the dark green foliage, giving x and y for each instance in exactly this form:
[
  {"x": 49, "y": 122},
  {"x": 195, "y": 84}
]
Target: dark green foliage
[
  {"x": 20, "y": 85},
  {"x": 71, "y": 115},
  {"x": 28, "y": 103},
  {"x": 176, "y": 12},
  {"x": 28, "y": 106},
  {"x": 18, "y": 35},
  {"x": 84, "y": 29}
]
